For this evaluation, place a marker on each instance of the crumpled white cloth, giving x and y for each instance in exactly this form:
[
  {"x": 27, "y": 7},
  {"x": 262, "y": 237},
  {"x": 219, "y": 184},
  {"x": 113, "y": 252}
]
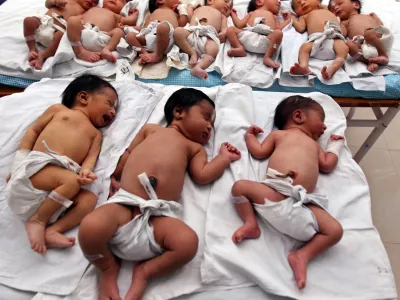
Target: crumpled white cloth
[
  {"x": 323, "y": 41},
  {"x": 150, "y": 34},
  {"x": 369, "y": 51},
  {"x": 199, "y": 36},
  {"x": 254, "y": 38}
]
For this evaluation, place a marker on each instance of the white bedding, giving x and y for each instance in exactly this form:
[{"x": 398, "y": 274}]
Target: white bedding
[{"x": 357, "y": 266}]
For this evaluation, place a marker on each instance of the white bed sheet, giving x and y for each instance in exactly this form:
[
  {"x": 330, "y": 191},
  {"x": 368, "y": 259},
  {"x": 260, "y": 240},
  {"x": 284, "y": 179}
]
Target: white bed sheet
[{"x": 237, "y": 108}]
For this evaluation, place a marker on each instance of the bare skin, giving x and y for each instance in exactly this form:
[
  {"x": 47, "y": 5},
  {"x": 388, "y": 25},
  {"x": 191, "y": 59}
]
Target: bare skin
[
  {"x": 293, "y": 150},
  {"x": 166, "y": 11},
  {"x": 63, "y": 8},
  {"x": 108, "y": 20},
  {"x": 356, "y": 24},
  {"x": 265, "y": 9},
  {"x": 313, "y": 17},
  {"x": 69, "y": 132},
  {"x": 213, "y": 15},
  {"x": 182, "y": 143}
]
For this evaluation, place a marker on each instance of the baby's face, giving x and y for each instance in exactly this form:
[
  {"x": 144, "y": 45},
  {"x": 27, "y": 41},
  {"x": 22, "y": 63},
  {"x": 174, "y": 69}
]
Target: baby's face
[
  {"x": 303, "y": 7},
  {"x": 88, "y": 4},
  {"x": 273, "y": 6},
  {"x": 344, "y": 8},
  {"x": 224, "y": 6},
  {"x": 315, "y": 122},
  {"x": 114, "y": 5},
  {"x": 102, "y": 107},
  {"x": 199, "y": 121}
]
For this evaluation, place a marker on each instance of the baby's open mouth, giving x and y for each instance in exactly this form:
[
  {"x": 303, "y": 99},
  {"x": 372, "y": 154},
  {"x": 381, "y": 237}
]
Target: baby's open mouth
[
  {"x": 107, "y": 119},
  {"x": 205, "y": 135}
]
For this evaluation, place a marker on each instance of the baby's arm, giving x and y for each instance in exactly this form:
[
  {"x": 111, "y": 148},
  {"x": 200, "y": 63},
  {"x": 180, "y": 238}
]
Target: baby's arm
[
  {"x": 237, "y": 22},
  {"x": 278, "y": 24},
  {"x": 224, "y": 28},
  {"x": 86, "y": 175},
  {"x": 376, "y": 18},
  {"x": 55, "y": 3},
  {"x": 203, "y": 172},
  {"x": 343, "y": 27},
  {"x": 299, "y": 24},
  {"x": 182, "y": 10},
  {"x": 257, "y": 149},
  {"x": 131, "y": 19},
  {"x": 328, "y": 160}
]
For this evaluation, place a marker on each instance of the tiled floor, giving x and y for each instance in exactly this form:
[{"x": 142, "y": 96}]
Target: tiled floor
[{"x": 382, "y": 168}]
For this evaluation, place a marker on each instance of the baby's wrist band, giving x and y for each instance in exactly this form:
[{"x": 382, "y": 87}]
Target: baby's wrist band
[
  {"x": 182, "y": 10},
  {"x": 334, "y": 146}
]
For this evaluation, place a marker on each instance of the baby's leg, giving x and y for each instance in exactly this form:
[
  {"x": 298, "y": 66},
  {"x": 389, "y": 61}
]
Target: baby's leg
[
  {"x": 237, "y": 48},
  {"x": 31, "y": 24},
  {"x": 55, "y": 179},
  {"x": 84, "y": 203},
  {"x": 341, "y": 51},
  {"x": 302, "y": 67},
  {"x": 48, "y": 52},
  {"x": 136, "y": 41},
  {"x": 244, "y": 191},
  {"x": 116, "y": 35},
  {"x": 74, "y": 31},
  {"x": 180, "y": 37},
  {"x": 180, "y": 243},
  {"x": 206, "y": 60},
  {"x": 95, "y": 231},
  {"x": 162, "y": 42},
  {"x": 374, "y": 39},
  {"x": 330, "y": 233},
  {"x": 275, "y": 41}
]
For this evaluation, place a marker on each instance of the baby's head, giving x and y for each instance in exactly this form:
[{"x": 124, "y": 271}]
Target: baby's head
[
  {"x": 154, "y": 4},
  {"x": 192, "y": 112},
  {"x": 271, "y": 5},
  {"x": 115, "y": 5},
  {"x": 303, "y": 7},
  {"x": 224, "y": 6},
  {"x": 94, "y": 96},
  {"x": 345, "y": 8},
  {"x": 87, "y": 4},
  {"x": 303, "y": 113}
]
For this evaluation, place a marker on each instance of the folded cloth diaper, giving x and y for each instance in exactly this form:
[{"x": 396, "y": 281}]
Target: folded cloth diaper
[
  {"x": 44, "y": 34},
  {"x": 323, "y": 41},
  {"x": 254, "y": 39},
  {"x": 369, "y": 51},
  {"x": 290, "y": 216},
  {"x": 22, "y": 198},
  {"x": 93, "y": 39},
  {"x": 150, "y": 34},
  {"x": 199, "y": 36},
  {"x": 135, "y": 240}
]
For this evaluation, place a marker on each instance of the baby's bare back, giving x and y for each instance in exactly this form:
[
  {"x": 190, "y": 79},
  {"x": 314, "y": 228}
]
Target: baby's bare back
[
  {"x": 164, "y": 155},
  {"x": 359, "y": 23},
  {"x": 69, "y": 133},
  {"x": 317, "y": 19},
  {"x": 164, "y": 14},
  {"x": 262, "y": 13},
  {"x": 295, "y": 151},
  {"x": 72, "y": 8},
  {"x": 207, "y": 16},
  {"x": 103, "y": 18}
]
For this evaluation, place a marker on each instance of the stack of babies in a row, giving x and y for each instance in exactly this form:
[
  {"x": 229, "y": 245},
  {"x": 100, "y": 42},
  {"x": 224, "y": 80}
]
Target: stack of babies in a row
[
  {"x": 140, "y": 221},
  {"x": 198, "y": 30}
]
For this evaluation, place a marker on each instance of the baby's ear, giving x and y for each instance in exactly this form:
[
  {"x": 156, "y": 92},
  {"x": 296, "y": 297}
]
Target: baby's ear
[
  {"x": 159, "y": 2},
  {"x": 259, "y": 3},
  {"x": 298, "y": 116},
  {"x": 83, "y": 98},
  {"x": 178, "y": 111}
]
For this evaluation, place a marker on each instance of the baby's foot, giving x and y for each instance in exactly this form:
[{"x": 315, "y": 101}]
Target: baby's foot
[
  {"x": 139, "y": 283},
  {"x": 380, "y": 60},
  {"x": 270, "y": 63},
  {"x": 247, "y": 231},
  {"x": 372, "y": 67},
  {"x": 327, "y": 72},
  {"x": 298, "y": 69},
  {"x": 199, "y": 72},
  {"x": 149, "y": 58},
  {"x": 107, "y": 55},
  {"x": 299, "y": 267},
  {"x": 36, "y": 235},
  {"x": 237, "y": 52},
  {"x": 55, "y": 239},
  {"x": 38, "y": 62},
  {"x": 193, "y": 60},
  {"x": 88, "y": 55},
  {"x": 108, "y": 286},
  {"x": 33, "y": 54}
]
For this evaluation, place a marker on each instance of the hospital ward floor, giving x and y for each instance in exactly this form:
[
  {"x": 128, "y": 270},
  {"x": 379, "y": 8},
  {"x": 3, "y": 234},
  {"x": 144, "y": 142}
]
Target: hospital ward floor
[{"x": 381, "y": 166}]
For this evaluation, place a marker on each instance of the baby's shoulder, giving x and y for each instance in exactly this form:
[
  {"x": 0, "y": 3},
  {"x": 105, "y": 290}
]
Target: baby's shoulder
[
  {"x": 150, "y": 128},
  {"x": 56, "y": 108}
]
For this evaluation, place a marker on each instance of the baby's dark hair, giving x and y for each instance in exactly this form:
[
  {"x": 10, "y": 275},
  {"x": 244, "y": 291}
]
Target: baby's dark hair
[
  {"x": 185, "y": 98},
  {"x": 84, "y": 83},
  {"x": 252, "y": 6},
  {"x": 285, "y": 109},
  {"x": 152, "y": 5}
]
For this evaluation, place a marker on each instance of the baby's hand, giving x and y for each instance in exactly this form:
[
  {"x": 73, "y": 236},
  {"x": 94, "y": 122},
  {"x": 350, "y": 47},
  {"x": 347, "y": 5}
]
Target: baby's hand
[
  {"x": 134, "y": 11},
  {"x": 336, "y": 137},
  {"x": 175, "y": 8},
  {"x": 114, "y": 187},
  {"x": 227, "y": 150},
  {"x": 233, "y": 12},
  {"x": 222, "y": 36},
  {"x": 86, "y": 177},
  {"x": 286, "y": 15},
  {"x": 60, "y": 3},
  {"x": 254, "y": 130}
]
